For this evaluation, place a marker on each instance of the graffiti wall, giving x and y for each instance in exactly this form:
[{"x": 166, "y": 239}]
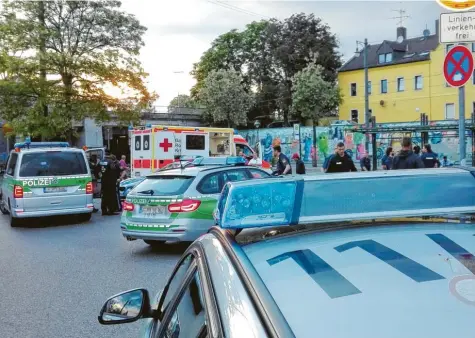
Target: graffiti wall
[{"x": 443, "y": 143}]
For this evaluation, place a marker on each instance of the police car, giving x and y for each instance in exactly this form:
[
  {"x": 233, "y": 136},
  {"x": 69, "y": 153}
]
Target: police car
[
  {"x": 46, "y": 179},
  {"x": 326, "y": 256},
  {"x": 177, "y": 205}
]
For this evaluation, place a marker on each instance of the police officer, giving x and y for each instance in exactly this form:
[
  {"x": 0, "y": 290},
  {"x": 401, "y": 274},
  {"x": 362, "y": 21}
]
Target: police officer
[
  {"x": 406, "y": 159},
  {"x": 340, "y": 162},
  {"x": 110, "y": 202},
  {"x": 283, "y": 163},
  {"x": 429, "y": 158}
]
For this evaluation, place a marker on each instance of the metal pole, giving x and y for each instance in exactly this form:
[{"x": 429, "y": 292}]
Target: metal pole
[
  {"x": 300, "y": 143},
  {"x": 314, "y": 157},
  {"x": 366, "y": 96},
  {"x": 462, "y": 124},
  {"x": 373, "y": 143},
  {"x": 473, "y": 138}
]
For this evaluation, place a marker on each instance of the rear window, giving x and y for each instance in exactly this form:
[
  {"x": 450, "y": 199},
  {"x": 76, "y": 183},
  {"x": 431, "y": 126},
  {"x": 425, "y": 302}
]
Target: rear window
[
  {"x": 164, "y": 185},
  {"x": 52, "y": 163}
]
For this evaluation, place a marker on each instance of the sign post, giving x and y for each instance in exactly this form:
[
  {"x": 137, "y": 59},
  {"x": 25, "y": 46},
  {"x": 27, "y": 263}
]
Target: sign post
[{"x": 458, "y": 69}]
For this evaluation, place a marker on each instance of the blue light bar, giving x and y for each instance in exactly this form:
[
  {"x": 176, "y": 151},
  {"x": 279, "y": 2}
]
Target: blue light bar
[
  {"x": 335, "y": 198},
  {"x": 22, "y": 145},
  {"x": 231, "y": 160},
  {"x": 259, "y": 203},
  {"x": 235, "y": 160}
]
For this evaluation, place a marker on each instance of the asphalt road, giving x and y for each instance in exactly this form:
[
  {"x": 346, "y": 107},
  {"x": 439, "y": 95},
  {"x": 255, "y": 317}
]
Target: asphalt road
[{"x": 55, "y": 276}]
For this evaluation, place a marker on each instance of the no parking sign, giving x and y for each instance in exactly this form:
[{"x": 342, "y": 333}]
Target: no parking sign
[{"x": 458, "y": 66}]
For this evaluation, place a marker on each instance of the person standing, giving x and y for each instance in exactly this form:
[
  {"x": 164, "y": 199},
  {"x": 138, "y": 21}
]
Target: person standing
[
  {"x": 387, "y": 160},
  {"x": 445, "y": 162},
  {"x": 341, "y": 162},
  {"x": 365, "y": 162},
  {"x": 429, "y": 158},
  {"x": 283, "y": 163},
  {"x": 299, "y": 165},
  {"x": 406, "y": 159},
  {"x": 110, "y": 202}
]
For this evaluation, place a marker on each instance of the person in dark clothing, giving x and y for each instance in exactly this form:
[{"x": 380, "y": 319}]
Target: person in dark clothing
[
  {"x": 406, "y": 159},
  {"x": 340, "y": 162},
  {"x": 429, "y": 158},
  {"x": 110, "y": 174},
  {"x": 417, "y": 150},
  {"x": 365, "y": 162},
  {"x": 283, "y": 163},
  {"x": 387, "y": 160},
  {"x": 94, "y": 166},
  {"x": 300, "y": 166}
]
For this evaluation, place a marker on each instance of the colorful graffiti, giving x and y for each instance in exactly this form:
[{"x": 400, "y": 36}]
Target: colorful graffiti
[{"x": 444, "y": 143}]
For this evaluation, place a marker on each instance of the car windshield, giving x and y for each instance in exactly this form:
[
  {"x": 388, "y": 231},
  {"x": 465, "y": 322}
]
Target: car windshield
[
  {"x": 53, "y": 163},
  {"x": 165, "y": 185}
]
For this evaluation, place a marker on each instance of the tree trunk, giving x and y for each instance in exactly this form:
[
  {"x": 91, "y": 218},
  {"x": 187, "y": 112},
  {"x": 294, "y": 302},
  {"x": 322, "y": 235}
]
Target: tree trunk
[{"x": 42, "y": 52}]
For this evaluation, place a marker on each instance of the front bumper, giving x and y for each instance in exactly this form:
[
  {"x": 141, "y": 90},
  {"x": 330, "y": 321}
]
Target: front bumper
[{"x": 18, "y": 213}]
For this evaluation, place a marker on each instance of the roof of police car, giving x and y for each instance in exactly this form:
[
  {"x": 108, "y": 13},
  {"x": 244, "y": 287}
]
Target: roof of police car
[
  {"x": 393, "y": 278},
  {"x": 46, "y": 149},
  {"x": 192, "y": 170}
]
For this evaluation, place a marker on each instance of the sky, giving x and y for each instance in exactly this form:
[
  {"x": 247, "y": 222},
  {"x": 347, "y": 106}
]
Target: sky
[{"x": 180, "y": 31}]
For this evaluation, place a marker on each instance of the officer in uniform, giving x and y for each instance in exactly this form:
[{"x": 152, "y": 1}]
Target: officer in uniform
[
  {"x": 283, "y": 163},
  {"x": 340, "y": 162},
  {"x": 110, "y": 174}
]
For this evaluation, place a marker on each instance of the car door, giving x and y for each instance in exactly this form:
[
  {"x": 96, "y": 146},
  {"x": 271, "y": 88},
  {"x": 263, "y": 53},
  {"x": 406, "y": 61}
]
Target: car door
[
  {"x": 8, "y": 181},
  {"x": 187, "y": 305}
]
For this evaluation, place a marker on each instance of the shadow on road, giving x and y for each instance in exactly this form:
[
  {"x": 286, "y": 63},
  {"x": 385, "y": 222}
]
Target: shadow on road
[
  {"x": 165, "y": 249},
  {"x": 53, "y": 221}
]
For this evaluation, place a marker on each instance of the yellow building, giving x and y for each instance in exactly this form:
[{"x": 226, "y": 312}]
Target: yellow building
[{"x": 406, "y": 78}]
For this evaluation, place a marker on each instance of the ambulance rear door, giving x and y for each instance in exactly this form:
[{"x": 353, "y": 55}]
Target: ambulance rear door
[
  {"x": 141, "y": 152},
  {"x": 195, "y": 143},
  {"x": 164, "y": 148}
]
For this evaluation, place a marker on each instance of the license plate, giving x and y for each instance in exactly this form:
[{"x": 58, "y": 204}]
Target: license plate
[
  {"x": 152, "y": 211},
  {"x": 56, "y": 189}
]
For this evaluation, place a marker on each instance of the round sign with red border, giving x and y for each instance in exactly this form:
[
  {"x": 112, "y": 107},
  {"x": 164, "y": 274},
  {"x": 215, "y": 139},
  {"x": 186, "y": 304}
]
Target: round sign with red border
[
  {"x": 458, "y": 66},
  {"x": 457, "y": 5}
]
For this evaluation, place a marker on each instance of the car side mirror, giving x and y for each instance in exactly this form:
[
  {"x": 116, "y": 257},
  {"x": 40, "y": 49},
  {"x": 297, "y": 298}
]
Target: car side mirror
[
  {"x": 2, "y": 171},
  {"x": 126, "y": 307}
]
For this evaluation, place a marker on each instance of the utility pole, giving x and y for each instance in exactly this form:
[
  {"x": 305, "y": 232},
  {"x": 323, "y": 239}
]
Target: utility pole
[
  {"x": 462, "y": 124},
  {"x": 366, "y": 92}
]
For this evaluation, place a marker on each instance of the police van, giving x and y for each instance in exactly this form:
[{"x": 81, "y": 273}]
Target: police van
[{"x": 46, "y": 179}]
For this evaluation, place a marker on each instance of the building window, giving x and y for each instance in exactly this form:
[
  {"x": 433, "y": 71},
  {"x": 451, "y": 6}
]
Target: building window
[
  {"x": 449, "y": 111},
  {"x": 369, "y": 87},
  {"x": 473, "y": 77},
  {"x": 448, "y": 47},
  {"x": 385, "y": 58},
  {"x": 400, "y": 84},
  {"x": 473, "y": 107},
  {"x": 354, "y": 115},
  {"x": 353, "y": 89},
  {"x": 473, "y": 46},
  {"x": 384, "y": 86},
  {"x": 418, "y": 82}
]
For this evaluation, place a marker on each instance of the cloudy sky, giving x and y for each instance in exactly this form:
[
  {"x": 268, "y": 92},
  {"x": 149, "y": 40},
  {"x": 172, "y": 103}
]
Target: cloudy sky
[{"x": 179, "y": 31}]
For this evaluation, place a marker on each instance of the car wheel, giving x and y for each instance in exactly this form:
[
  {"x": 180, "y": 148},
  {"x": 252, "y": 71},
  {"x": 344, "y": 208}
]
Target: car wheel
[
  {"x": 85, "y": 217},
  {"x": 2, "y": 206},
  {"x": 154, "y": 244}
]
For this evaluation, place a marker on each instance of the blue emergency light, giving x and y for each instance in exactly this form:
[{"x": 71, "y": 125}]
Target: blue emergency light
[
  {"x": 26, "y": 144},
  {"x": 231, "y": 160},
  {"x": 336, "y": 198}
]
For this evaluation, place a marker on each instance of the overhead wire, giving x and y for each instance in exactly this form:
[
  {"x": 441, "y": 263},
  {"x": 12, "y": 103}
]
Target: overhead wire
[{"x": 237, "y": 9}]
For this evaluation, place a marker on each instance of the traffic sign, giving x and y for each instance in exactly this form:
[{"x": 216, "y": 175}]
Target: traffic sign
[
  {"x": 457, "y": 27},
  {"x": 458, "y": 66},
  {"x": 457, "y": 5}
]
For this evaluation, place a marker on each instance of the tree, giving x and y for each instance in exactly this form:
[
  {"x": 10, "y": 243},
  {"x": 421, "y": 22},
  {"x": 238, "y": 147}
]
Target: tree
[
  {"x": 182, "y": 101},
  {"x": 225, "y": 98},
  {"x": 59, "y": 58},
  {"x": 313, "y": 97},
  {"x": 268, "y": 54}
]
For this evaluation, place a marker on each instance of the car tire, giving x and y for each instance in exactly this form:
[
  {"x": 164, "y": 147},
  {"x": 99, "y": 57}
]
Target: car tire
[
  {"x": 85, "y": 217},
  {"x": 2, "y": 207},
  {"x": 154, "y": 244}
]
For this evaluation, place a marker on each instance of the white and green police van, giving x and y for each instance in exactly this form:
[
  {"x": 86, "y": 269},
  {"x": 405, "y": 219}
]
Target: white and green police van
[{"x": 46, "y": 179}]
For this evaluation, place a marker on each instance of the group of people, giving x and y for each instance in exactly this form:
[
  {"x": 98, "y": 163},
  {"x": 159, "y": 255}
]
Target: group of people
[
  {"x": 408, "y": 158},
  {"x": 111, "y": 172}
]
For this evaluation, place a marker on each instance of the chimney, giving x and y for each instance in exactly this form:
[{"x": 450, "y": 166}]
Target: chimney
[
  {"x": 402, "y": 31},
  {"x": 437, "y": 27}
]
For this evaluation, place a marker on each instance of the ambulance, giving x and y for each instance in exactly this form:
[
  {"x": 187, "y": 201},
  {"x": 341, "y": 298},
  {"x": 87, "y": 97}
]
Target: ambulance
[{"x": 156, "y": 146}]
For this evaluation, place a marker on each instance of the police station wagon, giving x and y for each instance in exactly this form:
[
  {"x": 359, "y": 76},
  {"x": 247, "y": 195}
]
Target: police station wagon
[
  {"x": 46, "y": 179},
  {"x": 337, "y": 256},
  {"x": 177, "y": 205}
]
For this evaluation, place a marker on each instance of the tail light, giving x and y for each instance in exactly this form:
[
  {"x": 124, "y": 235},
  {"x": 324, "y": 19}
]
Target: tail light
[
  {"x": 184, "y": 206},
  {"x": 127, "y": 206},
  {"x": 89, "y": 188},
  {"x": 17, "y": 191}
]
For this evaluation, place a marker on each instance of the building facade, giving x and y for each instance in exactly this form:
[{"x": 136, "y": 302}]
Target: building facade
[{"x": 405, "y": 79}]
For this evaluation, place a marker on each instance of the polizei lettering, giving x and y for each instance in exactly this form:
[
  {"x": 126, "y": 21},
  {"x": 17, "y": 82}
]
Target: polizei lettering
[{"x": 36, "y": 182}]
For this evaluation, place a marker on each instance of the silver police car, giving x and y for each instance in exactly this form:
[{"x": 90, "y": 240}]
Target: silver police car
[{"x": 328, "y": 256}]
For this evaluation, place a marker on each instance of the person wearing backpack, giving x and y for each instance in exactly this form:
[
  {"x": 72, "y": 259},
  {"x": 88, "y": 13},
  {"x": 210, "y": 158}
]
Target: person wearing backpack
[{"x": 406, "y": 159}]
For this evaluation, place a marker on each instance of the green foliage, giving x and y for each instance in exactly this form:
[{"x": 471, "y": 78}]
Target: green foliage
[
  {"x": 226, "y": 100},
  {"x": 59, "y": 58},
  {"x": 313, "y": 97},
  {"x": 268, "y": 54},
  {"x": 182, "y": 101}
]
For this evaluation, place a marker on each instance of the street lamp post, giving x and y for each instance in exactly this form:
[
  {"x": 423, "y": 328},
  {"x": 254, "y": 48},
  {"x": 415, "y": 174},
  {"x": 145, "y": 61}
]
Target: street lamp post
[
  {"x": 366, "y": 94},
  {"x": 257, "y": 124}
]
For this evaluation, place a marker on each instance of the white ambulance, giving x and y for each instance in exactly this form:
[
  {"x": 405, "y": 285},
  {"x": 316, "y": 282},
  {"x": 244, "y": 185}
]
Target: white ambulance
[{"x": 156, "y": 146}]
